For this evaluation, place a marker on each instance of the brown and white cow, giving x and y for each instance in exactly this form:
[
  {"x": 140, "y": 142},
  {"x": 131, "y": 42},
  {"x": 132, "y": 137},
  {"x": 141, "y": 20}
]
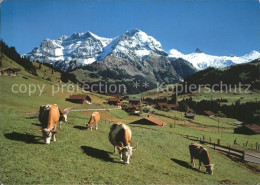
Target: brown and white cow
[
  {"x": 94, "y": 119},
  {"x": 120, "y": 136},
  {"x": 199, "y": 152},
  {"x": 49, "y": 115}
]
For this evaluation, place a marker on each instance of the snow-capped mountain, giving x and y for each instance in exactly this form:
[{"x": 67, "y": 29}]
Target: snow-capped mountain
[
  {"x": 85, "y": 48},
  {"x": 201, "y": 60},
  {"x": 79, "y": 49}
]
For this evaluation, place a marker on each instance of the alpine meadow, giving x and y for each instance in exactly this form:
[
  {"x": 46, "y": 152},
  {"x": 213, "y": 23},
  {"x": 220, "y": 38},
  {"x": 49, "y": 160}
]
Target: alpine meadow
[{"x": 131, "y": 92}]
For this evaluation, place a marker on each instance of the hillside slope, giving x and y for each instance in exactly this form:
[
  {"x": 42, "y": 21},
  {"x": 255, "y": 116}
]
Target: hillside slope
[
  {"x": 84, "y": 157},
  {"x": 248, "y": 73}
]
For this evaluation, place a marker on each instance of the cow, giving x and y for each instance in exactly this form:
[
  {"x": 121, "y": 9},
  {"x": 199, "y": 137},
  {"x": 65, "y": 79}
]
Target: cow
[
  {"x": 94, "y": 119},
  {"x": 199, "y": 152},
  {"x": 49, "y": 115},
  {"x": 120, "y": 136}
]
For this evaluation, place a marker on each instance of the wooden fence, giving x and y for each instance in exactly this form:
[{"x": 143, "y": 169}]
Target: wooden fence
[{"x": 226, "y": 149}]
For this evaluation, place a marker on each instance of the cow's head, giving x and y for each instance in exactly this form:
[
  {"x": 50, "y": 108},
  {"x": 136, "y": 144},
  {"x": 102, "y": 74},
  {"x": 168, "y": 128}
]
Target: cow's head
[
  {"x": 64, "y": 118},
  {"x": 127, "y": 152},
  {"x": 91, "y": 121},
  {"x": 47, "y": 134},
  {"x": 209, "y": 168},
  {"x": 64, "y": 114}
]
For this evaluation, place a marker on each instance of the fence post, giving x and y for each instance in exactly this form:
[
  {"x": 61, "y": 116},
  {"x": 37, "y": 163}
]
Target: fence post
[
  {"x": 256, "y": 144},
  {"x": 197, "y": 138},
  {"x": 218, "y": 141},
  {"x": 243, "y": 156},
  {"x": 246, "y": 144},
  {"x": 214, "y": 146},
  {"x": 210, "y": 140},
  {"x": 203, "y": 138},
  {"x": 228, "y": 150}
]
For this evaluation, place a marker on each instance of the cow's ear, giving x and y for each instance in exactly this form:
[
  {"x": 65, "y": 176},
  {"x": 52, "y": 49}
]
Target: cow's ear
[{"x": 54, "y": 131}]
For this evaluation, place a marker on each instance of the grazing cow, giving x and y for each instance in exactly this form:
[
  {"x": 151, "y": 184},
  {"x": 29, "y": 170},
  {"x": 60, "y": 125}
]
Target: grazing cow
[
  {"x": 120, "y": 136},
  {"x": 94, "y": 119},
  {"x": 199, "y": 152},
  {"x": 49, "y": 115}
]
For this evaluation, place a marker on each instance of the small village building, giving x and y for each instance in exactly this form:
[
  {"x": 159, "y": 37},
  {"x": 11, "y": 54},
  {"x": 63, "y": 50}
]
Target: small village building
[
  {"x": 248, "y": 129},
  {"x": 191, "y": 110},
  {"x": 79, "y": 98},
  {"x": 208, "y": 113},
  {"x": 133, "y": 109},
  {"x": 114, "y": 101},
  {"x": 134, "y": 101},
  {"x": 189, "y": 115},
  {"x": 9, "y": 71},
  {"x": 149, "y": 120},
  {"x": 173, "y": 106}
]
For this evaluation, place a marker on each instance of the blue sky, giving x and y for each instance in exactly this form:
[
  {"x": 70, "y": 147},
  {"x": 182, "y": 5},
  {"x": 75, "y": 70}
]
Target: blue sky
[{"x": 217, "y": 27}]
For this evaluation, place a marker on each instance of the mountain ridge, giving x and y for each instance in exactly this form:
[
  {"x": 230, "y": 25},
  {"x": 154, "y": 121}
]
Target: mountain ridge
[{"x": 80, "y": 49}]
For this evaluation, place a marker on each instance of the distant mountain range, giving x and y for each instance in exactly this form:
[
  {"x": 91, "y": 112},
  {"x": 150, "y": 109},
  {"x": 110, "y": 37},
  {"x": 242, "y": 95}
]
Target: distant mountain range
[
  {"x": 202, "y": 61},
  {"x": 80, "y": 49}
]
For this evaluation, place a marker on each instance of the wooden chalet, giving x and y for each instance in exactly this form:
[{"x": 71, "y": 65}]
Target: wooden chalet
[
  {"x": 114, "y": 101},
  {"x": 135, "y": 101},
  {"x": 133, "y": 109},
  {"x": 79, "y": 98},
  {"x": 189, "y": 115},
  {"x": 252, "y": 128},
  {"x": 7, "y": 71},
  {"x": 149, "y": 120},
  {"x": 248, "y": 129}
]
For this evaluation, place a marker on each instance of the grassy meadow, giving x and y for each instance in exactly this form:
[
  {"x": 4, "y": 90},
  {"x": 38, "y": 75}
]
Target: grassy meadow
[{"x": 85, "y": 157}]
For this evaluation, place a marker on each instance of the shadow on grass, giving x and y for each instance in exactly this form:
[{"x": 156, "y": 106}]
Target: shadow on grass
[
  {"x": 32, "y": 117},
  {"x": 185, "y": 164},
  {"x": 97, "y": 153},
  {"x": 80, "y": 127},
  {"x": 37, "y": 124},
  {"x": 27, "y": 138}
]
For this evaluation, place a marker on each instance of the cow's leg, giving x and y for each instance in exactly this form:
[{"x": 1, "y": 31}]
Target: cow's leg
[
  {"x": 114, "y": 149},
  {"x": 54, "y": 138},
  {"x": 96, "y": 126},
  {"x": 199, "y": 164},
  {"x": 120, "y": 154},
  {"x": 192, "y": 161},
  {"x": 60, "y": 124}
]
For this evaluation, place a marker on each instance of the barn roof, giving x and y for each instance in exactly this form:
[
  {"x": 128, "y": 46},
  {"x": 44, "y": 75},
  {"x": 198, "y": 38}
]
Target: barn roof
[
  {"x": 238, "y": 122},
  {"x": 11, "y": 69},
  {"x": 209, "y": 113},
  {"x": 189, "y": 114},
  {"x": 149, "y": 120},
  {"x": 134, "y": 99},
  {"x": 155, "y": 120},
  {"x": 78, "y": 96},
  {"x": 113, "y": 99},
  {"x": 253, "y": 127}
]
